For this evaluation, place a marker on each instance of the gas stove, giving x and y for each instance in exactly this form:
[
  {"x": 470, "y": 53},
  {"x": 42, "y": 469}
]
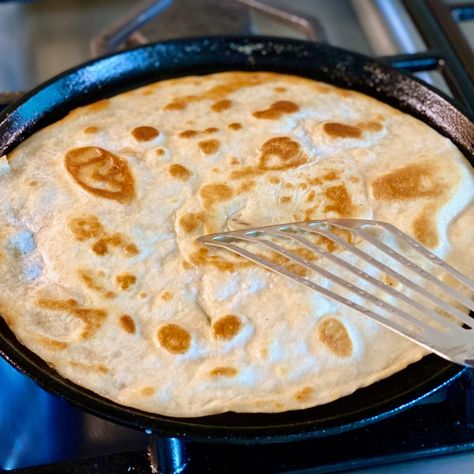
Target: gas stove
[{"x": 432, "y": 39}]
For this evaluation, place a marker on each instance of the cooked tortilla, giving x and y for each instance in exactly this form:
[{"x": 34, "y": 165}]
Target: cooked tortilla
[{"x": 101, "y": 274}]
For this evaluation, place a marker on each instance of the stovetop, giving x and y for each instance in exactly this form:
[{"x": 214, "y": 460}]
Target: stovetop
[
  {"x": 42, "y": 38},
  {"x": 42, "y": 430}
]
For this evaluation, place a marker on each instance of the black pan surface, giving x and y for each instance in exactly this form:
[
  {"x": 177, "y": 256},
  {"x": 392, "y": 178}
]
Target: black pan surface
[{"x": 126, "y": 70}]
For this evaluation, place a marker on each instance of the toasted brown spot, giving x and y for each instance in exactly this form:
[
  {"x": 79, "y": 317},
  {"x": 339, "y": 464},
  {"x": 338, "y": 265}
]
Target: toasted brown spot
[
  {"x": 97, "y": 368},
  {"x": 179, "y": 172},
  {"x": 305, "y": 253},
  {"x": 235, "y": 161},
  {"x": 303, "y": 186},
  {"x": 131, "y": 250},
  {"x": 227, "y": 327},
  {"x": 209, "y": 147},
  {"x": 202, "y": 257},
  {"x": 234, "y": 126},
  {"x": 308, "y": 215},
  {"x": 145, "y": 133},
  {"x": 125, "y": 280},
  {"x": 160, "y": 152},
  {"x": 86, "y": 227},
  {"x": 99, "y": 105},
  {"x": 330, "y": 245},
  {"x": 101, "y": 247},
  {"x": 33, "y": 183},
  {"x": 174, "y": 338},
  {"x": 88, "y": 278},
  {"x": 246, "y": 171},
  {"x": 190, "y": 222},
  {"x": 304, "y": 395},
  {"x": 341, "y": 130},
  {"x": 409, "y": 182},
  {"x": 127, "y": 323},
  {"x": 231, "y": 84},
  {"x": 101, "y": 173},
  {"x": 315, "y": 181},
  {"x": 276, "y": 110},
  {"x": 211, "y": 130},
  {"x": 91, "y": 317},
  {"x": 274, "y": 180},
  {"x": 280, "y": 89},
  {"x": 288, "y": 264},
  {"x": 57, "y": 304},
  {"x": 390, "y": 280},
  {"x": 224, "y": 372},
  {"x": 285, "y": 199},
  {"x": 186, "y": 265},
  {"x": 331, "y": 176},
  {"x": 212, "y": 193},
  {"x": 91, "y": 129},
  {"x": 147, "y": 391},
  {"x": 166, "y": 296},
  {"x": 143, "y": 294},
  {"x": 281, "y": 153},
  {"x": 339, "y": 200},
  {"x": 372, "y": 126},
  {"x": 221, "y": 105},
  {"x": 52, "y": 344},
  {"x": 424, "y": 228},
  {"x": 189, "y": 134},
  {"x": 176, "y": 105},
  {"x": 311, "y": 196},
  {"x": 333, "y": 334},
  {"x": 129, "y": 151},
  {"x": 90, "y": 281},
  {"x": 247, "y": 186},
  {"x": 289, "y": 186}
]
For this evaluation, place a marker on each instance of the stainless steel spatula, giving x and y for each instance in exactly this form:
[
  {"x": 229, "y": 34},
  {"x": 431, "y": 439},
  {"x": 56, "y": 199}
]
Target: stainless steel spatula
[{"x": 413, "y": 298}]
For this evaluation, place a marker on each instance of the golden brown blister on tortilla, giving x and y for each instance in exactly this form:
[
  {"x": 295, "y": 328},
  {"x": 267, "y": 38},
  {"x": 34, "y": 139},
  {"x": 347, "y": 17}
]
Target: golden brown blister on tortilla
[
  {"x": 101, "y": 173},
  {"x": 145, "y": 133},
  {"x": 227, "y": 327},
  {"x": 92, "y": 318},
  {"x": 174, "y": 338},
  {"x": 277, "y": 110},
  {"x": 209, "y": 147},
  {"x": 127, "y": 323},
  {"x": 334, "y": 335},
  {"x": 224, "y": 372},
  {"x": 125, "y": 280},
  {"x": 179, "y": 172},
  {"x": 221, "y": 105}
]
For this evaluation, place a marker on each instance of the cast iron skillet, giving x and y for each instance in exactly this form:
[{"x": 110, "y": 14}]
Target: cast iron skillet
[{"x": 119, "y": 72}]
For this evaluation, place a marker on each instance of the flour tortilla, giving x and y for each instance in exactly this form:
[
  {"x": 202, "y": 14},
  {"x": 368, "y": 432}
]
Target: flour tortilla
[{"x": 101, "y": 275}]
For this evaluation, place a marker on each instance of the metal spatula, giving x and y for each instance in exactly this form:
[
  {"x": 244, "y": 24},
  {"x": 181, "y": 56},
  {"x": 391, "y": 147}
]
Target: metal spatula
[{"x": 421, "y": 305}]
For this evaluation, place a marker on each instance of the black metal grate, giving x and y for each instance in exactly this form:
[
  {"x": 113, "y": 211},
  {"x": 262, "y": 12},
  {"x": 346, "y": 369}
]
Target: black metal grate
[{"x": 448, "y": 51}]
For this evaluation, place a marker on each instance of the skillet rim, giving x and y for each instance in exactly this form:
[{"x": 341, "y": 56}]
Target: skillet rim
[{"x": 27, "y": 362}]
